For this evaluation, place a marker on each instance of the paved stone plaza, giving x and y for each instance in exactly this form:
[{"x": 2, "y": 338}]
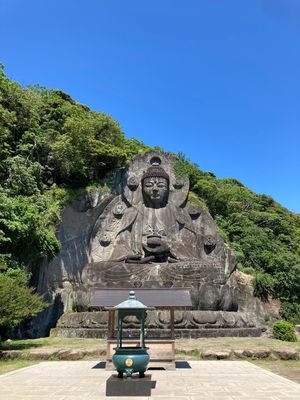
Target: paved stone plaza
[{"x": 213, "y": 380}]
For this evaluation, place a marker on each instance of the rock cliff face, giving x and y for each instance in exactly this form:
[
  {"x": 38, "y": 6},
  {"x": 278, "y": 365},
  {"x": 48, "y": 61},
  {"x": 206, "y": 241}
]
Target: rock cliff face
[
  {"x": 60, "y": 280},
  {"x": 145, "y": 234}
]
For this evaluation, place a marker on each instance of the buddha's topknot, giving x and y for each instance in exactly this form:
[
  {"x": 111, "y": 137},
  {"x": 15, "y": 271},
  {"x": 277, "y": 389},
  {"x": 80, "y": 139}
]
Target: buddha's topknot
[{"x": 155, "y": 171}]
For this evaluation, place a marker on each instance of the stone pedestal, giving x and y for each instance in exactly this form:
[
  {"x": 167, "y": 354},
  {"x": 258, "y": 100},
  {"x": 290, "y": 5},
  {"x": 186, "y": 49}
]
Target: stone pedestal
[
  {"x": 188, "y": 324},
  {"x": 129, "y": 387},
  {"x": 207, "y": 280}
]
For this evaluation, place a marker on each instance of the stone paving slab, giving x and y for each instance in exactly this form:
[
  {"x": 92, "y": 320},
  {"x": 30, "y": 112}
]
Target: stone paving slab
[{"x": 200, "y": 380}]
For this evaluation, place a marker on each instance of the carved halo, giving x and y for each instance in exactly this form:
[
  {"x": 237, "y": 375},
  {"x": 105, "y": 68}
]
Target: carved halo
[{"x": 179, "y": 187}]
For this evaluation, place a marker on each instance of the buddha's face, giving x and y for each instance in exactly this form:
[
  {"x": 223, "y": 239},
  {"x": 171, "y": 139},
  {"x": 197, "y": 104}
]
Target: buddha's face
[{"x": 155, "y": 190}]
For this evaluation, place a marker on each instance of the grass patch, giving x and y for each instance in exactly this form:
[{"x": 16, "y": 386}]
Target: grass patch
[
  {"x": 187, "y": 346},
  {"x": 11, "y": 365},
  {"x": 53, "y": 342},
  {"x": 289, "y": 369}
]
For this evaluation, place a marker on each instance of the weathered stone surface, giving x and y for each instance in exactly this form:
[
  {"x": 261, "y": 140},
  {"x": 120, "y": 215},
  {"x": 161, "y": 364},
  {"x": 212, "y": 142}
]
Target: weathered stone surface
[
  {"x": 84, "y": 320},
  {"x": 216, "y": 354},
  {"x": 254, "y": 353},
  {"x": 100, "y": 351},
  {"x": 73, "y": 354},
  {"x": 79, "y": 333},
  {"x": 195, "y": 319},
  {"x": 45, "y": 354},
  {"x": 142, "y": 232},
  {"x": 78, "y": 354},
  {"x": 150, "y": 220},
  {"x": 150, "y": 236},
  {"x": 10, "y": 354},
  {"x": 243, "y": 289},
  {"x": 162, "y": 333},
  {"x": 287, "y": 354},
  {"x": 41, "y": 354},
  {"x": 188, "y": 324},
  {"x": 239, "y": 353}
]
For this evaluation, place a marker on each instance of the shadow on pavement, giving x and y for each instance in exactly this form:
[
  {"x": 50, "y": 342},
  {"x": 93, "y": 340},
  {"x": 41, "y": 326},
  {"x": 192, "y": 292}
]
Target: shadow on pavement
[
  {"x": 182, "y": 365},
  {"x": 100, "y": 365}
]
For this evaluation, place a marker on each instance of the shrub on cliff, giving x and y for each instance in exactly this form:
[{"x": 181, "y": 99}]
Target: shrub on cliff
[
  {"x": 290, "y": 312},
  {"x": 284, "y": 330},
  {"x": 263, "y": 285}
]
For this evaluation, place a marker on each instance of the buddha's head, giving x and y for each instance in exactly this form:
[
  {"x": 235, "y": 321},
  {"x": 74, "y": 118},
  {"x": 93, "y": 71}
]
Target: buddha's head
[{"x": 155, "y": 186}]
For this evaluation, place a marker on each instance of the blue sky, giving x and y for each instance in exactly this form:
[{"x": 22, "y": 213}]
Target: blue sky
[{"x": 216, "y": 79}]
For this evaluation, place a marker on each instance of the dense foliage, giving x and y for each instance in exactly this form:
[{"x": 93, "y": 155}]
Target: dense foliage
[
  {"x": 284, "y": 330},
  {"x": 50, "y": 145},
  {"x": 16, "y": 303}
]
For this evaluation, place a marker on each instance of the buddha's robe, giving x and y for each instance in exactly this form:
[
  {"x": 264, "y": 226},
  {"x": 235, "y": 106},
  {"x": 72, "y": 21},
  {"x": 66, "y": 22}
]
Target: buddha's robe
[{"x": 172, "y": 223}]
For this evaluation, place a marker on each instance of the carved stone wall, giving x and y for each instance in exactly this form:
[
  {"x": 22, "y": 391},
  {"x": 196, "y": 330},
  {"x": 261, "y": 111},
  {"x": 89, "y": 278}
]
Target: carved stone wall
[
  {"x": 187, "y": 324},
  {"x": 140, "y": 233}
]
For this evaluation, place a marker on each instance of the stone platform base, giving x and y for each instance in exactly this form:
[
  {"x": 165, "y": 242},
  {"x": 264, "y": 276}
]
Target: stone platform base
[
  {"x": 96, "y": 333},
  {"x": 188, "y": 324}
]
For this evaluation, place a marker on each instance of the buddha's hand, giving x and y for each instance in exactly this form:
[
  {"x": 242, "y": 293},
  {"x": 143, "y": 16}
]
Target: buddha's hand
[{"x": 157, "y": 245}]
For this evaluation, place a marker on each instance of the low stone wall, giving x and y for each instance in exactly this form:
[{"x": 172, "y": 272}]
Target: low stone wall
[
  {"x": 100, "y": 353},
  {"x": 97, "y": 333},
  {"x": 188, "y": 324}
]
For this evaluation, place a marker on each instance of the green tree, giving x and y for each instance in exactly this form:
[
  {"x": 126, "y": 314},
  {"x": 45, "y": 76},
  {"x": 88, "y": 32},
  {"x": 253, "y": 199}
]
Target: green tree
[{"x": 16, "y": 303}]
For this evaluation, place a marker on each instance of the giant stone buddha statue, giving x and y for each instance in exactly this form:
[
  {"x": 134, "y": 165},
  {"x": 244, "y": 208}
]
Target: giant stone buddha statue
[
  {"x": 151, "y": 236},
  {"x": 156, "y": 229}
]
